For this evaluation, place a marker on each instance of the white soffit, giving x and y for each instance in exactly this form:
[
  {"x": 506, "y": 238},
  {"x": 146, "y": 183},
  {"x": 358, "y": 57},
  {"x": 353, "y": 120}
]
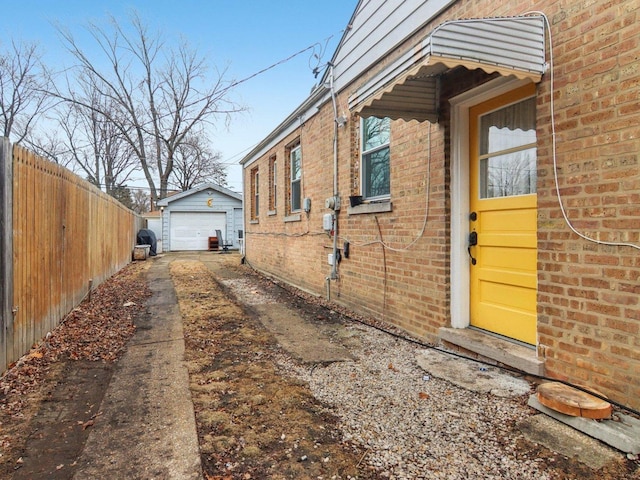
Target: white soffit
[{"x": 408, "y": 88}]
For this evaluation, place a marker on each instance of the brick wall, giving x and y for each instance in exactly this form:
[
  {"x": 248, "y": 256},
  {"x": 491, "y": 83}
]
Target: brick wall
[
  {"x": 296, "y": 251},
  {"x": 588, "y": 309},
  {"x": 588, "y": 302}
]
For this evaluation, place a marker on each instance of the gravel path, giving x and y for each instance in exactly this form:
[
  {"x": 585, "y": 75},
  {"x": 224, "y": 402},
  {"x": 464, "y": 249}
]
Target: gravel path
[
  {"x": 411, "y": 424},
  {"x": 414, "y": 425}
]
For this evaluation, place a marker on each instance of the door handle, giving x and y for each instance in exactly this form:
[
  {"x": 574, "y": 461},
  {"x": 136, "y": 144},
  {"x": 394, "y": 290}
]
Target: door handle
[{"x": 473, "y": 241}]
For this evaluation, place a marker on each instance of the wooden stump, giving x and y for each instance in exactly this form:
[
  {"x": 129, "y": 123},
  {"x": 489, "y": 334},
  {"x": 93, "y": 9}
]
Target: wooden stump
[{"x": 570, "y": 401}]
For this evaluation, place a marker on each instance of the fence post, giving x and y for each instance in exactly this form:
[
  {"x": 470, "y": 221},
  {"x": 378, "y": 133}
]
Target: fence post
[{"x": 6, "y": 246}]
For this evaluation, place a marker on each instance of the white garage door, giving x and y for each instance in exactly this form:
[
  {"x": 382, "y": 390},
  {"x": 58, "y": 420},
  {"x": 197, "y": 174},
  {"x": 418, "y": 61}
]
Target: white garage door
[{"x": 191, "y": 230}]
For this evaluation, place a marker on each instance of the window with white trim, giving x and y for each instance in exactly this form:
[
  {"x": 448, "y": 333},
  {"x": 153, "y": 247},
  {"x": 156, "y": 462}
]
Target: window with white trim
[
  {"x": 273, "y": 183},
  {"x": 295, "y": 176},
  {"x": 255, "y": 194},
  {"x": 375, "y": 158}
]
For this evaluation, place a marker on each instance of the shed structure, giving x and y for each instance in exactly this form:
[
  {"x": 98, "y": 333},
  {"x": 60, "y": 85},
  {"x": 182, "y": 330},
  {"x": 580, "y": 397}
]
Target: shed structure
[{"x": 191, "y": 218}]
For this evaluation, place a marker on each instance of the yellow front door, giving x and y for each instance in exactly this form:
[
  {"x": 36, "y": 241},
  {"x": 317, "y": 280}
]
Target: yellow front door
[{"x": 503, "y": 215}]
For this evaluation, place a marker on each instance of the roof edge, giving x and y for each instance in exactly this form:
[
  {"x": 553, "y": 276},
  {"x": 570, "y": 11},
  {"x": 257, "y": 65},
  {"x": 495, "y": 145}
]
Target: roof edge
[
  {"x": 316, "y": 96},
  {"x": 218, "y": 188}
]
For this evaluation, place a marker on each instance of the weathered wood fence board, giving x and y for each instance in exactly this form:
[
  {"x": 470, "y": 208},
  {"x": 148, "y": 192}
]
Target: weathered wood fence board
[
  {"x": 6, "y": 245},
  {"x": 60, "y": 236}
]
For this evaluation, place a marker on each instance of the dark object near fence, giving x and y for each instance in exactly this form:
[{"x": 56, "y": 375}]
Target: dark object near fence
[{"x": 147, "y": 237}]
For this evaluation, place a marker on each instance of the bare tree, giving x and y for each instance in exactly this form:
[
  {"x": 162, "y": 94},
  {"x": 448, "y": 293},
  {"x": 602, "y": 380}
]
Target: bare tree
[
  {"x": 98, "y": 150},
  {"x": 196, "y": 163},
  {"x": 140, "y": 201},
  {"x": 157, "y": 95},
  {"x": 24, "y": 81},
  {"x": 49, "y": 144}
]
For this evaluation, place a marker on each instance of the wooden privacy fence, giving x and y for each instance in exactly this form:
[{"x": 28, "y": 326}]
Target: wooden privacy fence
[{"x": 60, "y": 236}]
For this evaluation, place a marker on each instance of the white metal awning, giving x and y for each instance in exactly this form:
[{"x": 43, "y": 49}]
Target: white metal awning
[{"x": 409, "y": 87}]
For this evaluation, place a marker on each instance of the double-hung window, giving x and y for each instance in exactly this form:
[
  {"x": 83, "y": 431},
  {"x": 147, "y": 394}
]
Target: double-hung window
[
  {"x": 273, "y": 183},
  {"x": 255, "y": 193},
  {"x": 375, "y": 158},
  {"x": 295, "y": 171}
]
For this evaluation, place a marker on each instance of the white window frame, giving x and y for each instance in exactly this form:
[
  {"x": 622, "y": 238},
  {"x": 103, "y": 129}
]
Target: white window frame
[
  {"x": 293, "y": 181},
  {"x": 364, "y": 171},
  {"x": 256, "y": 193}
]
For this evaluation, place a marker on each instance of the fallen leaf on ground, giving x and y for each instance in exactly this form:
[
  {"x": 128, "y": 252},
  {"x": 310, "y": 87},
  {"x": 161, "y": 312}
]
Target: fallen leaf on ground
[{"x": 87, "y": 424}]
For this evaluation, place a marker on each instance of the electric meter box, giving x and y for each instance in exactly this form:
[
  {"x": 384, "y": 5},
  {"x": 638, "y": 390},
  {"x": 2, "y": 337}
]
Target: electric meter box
[{"x": 327, "y": 222}]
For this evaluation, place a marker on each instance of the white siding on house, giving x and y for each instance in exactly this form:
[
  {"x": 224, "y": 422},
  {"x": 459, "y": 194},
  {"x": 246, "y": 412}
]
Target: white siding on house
[
  {"x": 378, "y": 27},
  {"x": 238, "y": 225},
  {"x": 155, "y": 225}
]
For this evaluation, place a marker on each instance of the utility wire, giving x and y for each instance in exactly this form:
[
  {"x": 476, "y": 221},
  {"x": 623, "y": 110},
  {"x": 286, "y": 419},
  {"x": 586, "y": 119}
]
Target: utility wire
[
  {"x": 280, "y": 62},
  {"x": 565, "y": 216},
  {"x": 241, "y": 81}
]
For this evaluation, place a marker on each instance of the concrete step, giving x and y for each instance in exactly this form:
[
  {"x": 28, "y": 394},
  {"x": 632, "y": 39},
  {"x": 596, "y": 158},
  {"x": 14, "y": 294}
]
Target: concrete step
[{"x": 494, "y": 348}]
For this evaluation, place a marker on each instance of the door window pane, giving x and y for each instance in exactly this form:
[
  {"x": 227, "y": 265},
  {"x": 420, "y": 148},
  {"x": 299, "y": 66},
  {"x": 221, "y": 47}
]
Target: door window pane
[
  {"x": 509, "y": 174},
  {"x": 508, "y": 151}
]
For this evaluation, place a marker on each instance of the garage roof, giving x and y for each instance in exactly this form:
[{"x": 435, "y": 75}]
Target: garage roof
[{"x": 212, "y": 186}]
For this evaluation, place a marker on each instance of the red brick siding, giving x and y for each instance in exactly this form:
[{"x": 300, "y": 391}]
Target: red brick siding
[
  {"x": 588, "y": 293},
  {"x": 588, "y": 302}
]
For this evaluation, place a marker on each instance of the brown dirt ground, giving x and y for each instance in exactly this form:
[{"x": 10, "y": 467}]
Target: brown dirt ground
[
  {"x": 252, "y": 422},
  {"x": 50, "y": 397},
  {"x": 244, "y": 406}
]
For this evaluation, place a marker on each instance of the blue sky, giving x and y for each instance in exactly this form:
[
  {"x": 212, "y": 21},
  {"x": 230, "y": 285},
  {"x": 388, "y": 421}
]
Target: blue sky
[{"x": 244, "y": 36}]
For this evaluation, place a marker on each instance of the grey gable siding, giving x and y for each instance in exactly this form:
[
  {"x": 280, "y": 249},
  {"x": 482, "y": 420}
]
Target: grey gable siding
[{"x": 377, "y": 28}]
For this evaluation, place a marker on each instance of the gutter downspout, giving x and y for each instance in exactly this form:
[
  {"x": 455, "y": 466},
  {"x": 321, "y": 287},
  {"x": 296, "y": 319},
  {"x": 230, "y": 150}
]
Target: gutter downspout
[
  {"x": 334, "y": 267},
  {"x": 243, "y": 240}
]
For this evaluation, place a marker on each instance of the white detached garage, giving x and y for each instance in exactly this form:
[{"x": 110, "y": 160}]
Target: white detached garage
[{"x": 190, "y": 218}]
